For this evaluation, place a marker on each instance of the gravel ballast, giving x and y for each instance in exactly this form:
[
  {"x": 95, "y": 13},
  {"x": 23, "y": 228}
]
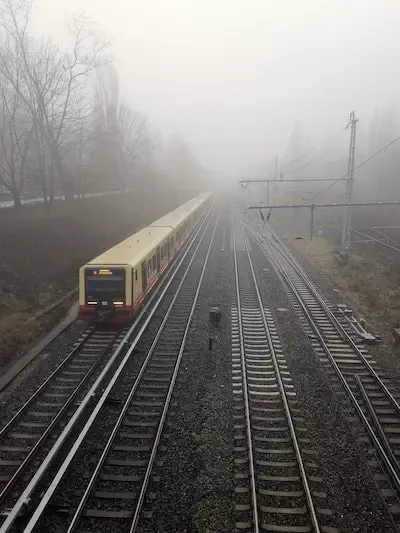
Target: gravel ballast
[
  {"x": 186, "y": 481},
  {"x": 353, "y": 494},
  {"x": 192, "y": 487},
  {"x": 29, "y": 380},
  {"x": 195, "y": 491}
]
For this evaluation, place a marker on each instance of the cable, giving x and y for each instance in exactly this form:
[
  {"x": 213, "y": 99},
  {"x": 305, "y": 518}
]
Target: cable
[
  {"x": 317, "y": 156},
  {"x": 358, "y": 166},
  {"x": 309, "y": 152},
  {"x": 376, "y": 153}
]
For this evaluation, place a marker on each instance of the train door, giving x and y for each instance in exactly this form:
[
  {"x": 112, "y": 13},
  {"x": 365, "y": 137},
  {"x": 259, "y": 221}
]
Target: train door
[
  {"x": 158, "y": 259},
  {"x": 144, "y": 276},
  {"x": 137, "y": 283}
]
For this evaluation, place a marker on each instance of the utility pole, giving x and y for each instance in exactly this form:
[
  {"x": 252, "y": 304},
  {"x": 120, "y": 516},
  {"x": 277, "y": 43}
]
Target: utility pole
[{"x": 346, "y": 235}]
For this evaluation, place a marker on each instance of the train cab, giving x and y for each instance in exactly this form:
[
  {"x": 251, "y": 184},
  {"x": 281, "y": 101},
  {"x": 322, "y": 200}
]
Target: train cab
[{"x": 113, "y": 285}]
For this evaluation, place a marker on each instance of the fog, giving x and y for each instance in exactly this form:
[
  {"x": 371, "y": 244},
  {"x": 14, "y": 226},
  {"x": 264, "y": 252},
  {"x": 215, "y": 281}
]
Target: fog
[{"x": 233, "y": 77}]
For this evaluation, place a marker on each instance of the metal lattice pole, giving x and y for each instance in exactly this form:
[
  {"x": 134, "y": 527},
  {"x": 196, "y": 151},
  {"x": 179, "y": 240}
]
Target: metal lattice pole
[{"x": 349, "y": 186}]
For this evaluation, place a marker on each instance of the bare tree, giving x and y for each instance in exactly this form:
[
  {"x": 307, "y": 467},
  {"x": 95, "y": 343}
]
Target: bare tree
[
  {"x": 57, "y": 131},
  {"x": 122, "y": 134},
  {"x": 106, "y": 138},
  {"x": 15, "y": 139},
  {"x": 380, "y": 176},
  {"x": 134, "y": 140},
  {"x": 180, "y": 165},
  {"x": 298, "y": 146},
  {"x": 54, "y": 87}
]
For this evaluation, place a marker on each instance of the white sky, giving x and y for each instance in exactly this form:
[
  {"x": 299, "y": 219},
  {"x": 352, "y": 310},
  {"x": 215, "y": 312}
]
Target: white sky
[{"x": 232, "y": 77}]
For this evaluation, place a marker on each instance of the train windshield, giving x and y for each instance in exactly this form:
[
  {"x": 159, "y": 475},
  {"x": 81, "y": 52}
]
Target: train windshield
[{"x": 105, "y": 285}]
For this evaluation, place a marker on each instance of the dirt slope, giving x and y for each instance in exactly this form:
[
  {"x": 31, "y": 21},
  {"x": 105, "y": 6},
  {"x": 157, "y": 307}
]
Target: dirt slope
[{"x": 40, "y": 253}]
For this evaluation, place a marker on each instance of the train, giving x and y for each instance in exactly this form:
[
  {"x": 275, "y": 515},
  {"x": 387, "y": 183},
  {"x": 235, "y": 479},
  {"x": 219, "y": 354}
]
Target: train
[{"x": 114, "y": 285}]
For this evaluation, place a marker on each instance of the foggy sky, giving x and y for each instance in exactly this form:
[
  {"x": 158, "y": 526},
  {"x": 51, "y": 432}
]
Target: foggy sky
[{"x": 232, "y": 77}]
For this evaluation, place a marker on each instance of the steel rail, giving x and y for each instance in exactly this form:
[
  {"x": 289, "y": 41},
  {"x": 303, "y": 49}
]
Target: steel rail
[
  {"x": 79, "y": 439},
  {"x": 374, "y": 239},
  {"x": 27, "y": 404},
  {"x": 55, "y": 420},
  {"x": 392, "y": 244},
  {"x": 149, "y": 468},
  {"x": 75, "y": 520},
  {"x": 341, "y": 330},
  {"x": 282, "y": 390},
  {"x": 386, "y": 238},
  {"x": 392, "y": 469},
  {"x": 339, "y": 327},
  {"x": 245, "y": 392},
  {"x": 373, "y": 415}
]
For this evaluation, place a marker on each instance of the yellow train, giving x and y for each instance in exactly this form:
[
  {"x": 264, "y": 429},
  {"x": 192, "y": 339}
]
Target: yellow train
[{"x": 113, "y": 286}]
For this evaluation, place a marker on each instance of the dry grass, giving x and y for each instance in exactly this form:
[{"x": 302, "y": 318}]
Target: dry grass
[
  {"x": 17, "y": 333},
  {"x": 40, "y": 254},
  {"x": 19, "y": 327},
  {"x": 370, "y": 286}
]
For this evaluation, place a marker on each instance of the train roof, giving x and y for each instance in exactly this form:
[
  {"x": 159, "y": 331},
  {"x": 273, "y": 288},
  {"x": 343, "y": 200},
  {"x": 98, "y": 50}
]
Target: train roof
[
  {"x": 132, "y": 250},
  {"x": 135, "y": 248},
  {"x": 180, "y": 214}
]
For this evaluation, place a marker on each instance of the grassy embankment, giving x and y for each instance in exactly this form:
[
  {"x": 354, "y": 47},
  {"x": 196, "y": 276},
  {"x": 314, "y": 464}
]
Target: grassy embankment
[
  {"x": 40, "y": 254},
  {"x": 371, "y": 286}
]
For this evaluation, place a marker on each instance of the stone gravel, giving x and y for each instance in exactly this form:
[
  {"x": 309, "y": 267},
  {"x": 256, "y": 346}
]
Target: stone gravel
[
  {"x": 66, "y": 497},
  {"x": 352, "y": 492},
  {"x": 193, "y": 484},
  {"x": 195, "y": 491},
  {"x": 30, "y": 379}
]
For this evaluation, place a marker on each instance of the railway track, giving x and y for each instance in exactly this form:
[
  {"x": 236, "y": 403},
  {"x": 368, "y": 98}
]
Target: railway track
[
  {"x": 114, "y": 496},
  {"x": 373, "y": 395},
  {"x": 117, "y": 487},
  {"x": 278, "y": 484},
  {"x": 28, "y": 434}
]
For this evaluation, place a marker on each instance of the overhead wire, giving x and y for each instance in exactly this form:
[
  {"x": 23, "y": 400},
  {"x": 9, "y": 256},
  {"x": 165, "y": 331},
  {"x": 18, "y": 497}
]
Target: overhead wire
[
  {"x": 357, "y": 166},
  {"x": 309, "y": 152},
  {"x": 317, "y": 156}
]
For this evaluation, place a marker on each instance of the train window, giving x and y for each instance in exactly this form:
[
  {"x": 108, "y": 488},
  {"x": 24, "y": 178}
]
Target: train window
[
  {"x": 110, "y": 287},
  {"x": 135, "y": 274},
  {"x": 149, "y": 267},
  {"x": 154, "y": 262}
]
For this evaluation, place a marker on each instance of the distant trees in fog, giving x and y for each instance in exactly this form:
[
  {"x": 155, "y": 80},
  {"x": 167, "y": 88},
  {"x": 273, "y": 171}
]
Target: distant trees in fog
[
  {"x": 45, "y": 103},
  {"x": 123, "y": 141},
  {"x": 378, "y": 179},
  {"x": 179, "y": 163},
  {"x": 64, "y": 128}
]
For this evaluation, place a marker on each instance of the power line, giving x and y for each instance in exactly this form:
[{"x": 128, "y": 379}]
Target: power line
[
  {"x": 317, "y": 156},
  {"x": 312, "y": 150},
  {"x": 378, "y": 152},
  {"x": 358, "y": 166}
]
